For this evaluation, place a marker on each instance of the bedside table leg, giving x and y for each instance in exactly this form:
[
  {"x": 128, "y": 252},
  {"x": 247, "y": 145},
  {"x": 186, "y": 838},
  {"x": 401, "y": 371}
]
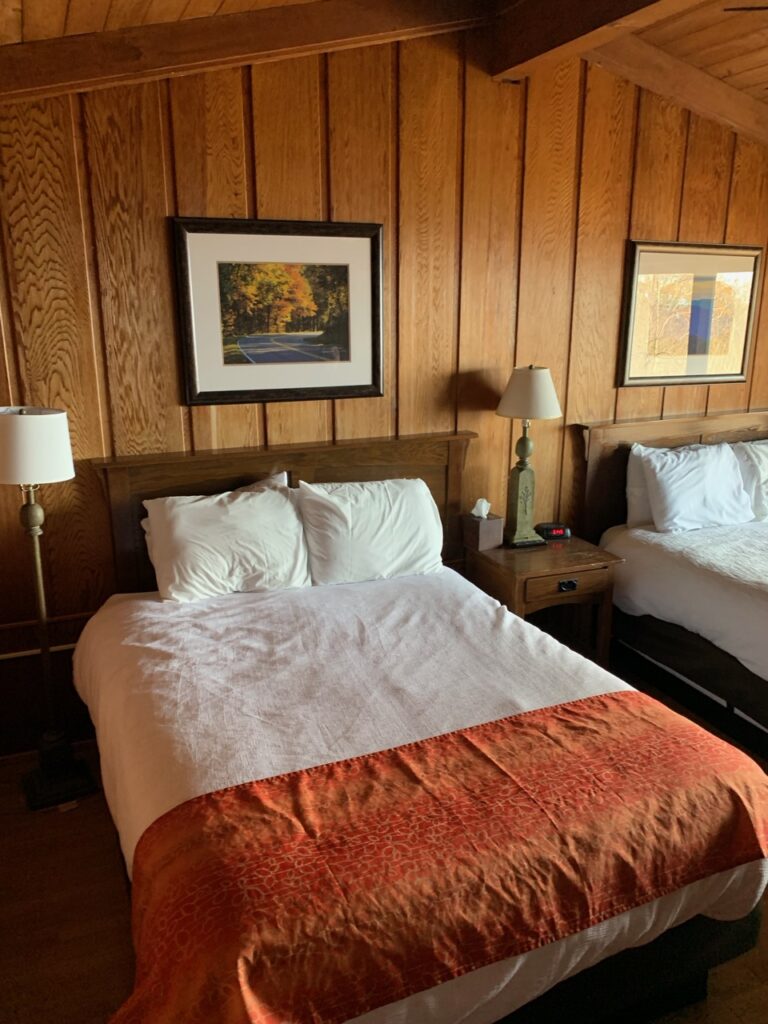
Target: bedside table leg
[{"x": 603, "y": 639}]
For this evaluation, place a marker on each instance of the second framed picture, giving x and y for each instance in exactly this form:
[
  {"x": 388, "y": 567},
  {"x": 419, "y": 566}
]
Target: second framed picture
[
  {"x": 279, "y": 310},
  {"x": 689, "y": 313}
]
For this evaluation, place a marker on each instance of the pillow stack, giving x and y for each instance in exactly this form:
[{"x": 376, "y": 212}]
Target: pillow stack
[
  {"x": 697, "y": 486},
  {"x": 268, "y": 536}
]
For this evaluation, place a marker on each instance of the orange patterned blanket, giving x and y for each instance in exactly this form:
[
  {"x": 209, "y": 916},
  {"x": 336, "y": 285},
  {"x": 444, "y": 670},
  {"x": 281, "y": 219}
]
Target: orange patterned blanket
[{"x": 313, "y": 897}]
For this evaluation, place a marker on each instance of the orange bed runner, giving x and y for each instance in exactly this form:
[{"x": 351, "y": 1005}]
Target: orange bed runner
[{"x": 313, "y": 897}]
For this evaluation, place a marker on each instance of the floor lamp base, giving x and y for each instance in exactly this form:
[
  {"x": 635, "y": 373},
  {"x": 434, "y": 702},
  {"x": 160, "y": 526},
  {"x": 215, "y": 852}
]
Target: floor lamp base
[
  {"x": 60, "y": 777},
  {"x": 44, "y": 790}
]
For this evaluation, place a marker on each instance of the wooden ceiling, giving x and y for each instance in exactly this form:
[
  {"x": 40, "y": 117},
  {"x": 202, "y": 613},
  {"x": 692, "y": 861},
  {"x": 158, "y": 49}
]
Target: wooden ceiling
[
  {"x": 700, "y": 54},
  {"x": 731, "y": 45},
  {"x": 24, "y": 21}
]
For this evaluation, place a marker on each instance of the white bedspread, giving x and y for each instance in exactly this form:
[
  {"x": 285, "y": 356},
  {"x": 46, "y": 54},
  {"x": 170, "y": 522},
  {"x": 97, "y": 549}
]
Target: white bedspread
[
  {"x": 190, "y": 698},
  {"x": 713, "y": 582}
]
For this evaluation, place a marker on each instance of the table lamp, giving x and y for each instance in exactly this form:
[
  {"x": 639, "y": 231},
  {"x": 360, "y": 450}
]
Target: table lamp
[
  {"x": 529, "y": 395},
  {"x": 34, "y": 450}
]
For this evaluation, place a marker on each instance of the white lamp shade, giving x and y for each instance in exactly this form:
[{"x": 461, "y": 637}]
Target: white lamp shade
[
  {"x": 34, "y": 445},
  {"x": 530, "y": 395}
]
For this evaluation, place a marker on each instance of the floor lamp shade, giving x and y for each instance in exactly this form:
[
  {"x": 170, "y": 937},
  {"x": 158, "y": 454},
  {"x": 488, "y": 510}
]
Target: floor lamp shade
[
  {"x": 34, "y": 446},
  {"x": 529, "y": 395}
]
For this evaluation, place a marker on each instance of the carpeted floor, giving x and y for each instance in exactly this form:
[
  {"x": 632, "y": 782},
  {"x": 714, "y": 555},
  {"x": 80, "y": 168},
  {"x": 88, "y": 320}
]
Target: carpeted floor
[{"x": 65, "y": 948}]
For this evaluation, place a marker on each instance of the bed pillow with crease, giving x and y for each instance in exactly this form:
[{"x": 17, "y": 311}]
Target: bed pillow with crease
[
  {"x": 369, "y": 531},
  {"x": 753, "y": 463},
  {"x": 203, "y": 546},
  {"x": 691, "y": 488}
]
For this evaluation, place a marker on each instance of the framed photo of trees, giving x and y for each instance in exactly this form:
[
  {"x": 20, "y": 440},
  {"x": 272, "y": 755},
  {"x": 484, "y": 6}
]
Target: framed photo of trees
[
  {"x": 279, "y": 310},
  {"x": 689, "y": 313}
]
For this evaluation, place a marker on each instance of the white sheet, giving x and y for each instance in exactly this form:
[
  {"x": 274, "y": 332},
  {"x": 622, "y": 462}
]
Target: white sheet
[
  {"x": 713, "y": 582},
  {"x": 191, "y": 698}
]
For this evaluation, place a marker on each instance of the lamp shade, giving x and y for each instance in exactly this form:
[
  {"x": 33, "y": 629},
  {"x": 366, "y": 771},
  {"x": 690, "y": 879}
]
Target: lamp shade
[
  {"x": 530, "y": 395},
  {"x": 34, "y": 445}
]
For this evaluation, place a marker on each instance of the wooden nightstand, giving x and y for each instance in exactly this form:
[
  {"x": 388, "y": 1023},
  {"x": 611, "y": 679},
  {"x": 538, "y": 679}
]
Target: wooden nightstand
[{"x": 560, "y": 572}]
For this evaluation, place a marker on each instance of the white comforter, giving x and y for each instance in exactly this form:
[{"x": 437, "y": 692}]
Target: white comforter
[
  {"x": 713, "y": 582},
  {"x": 190, "y": 698}
]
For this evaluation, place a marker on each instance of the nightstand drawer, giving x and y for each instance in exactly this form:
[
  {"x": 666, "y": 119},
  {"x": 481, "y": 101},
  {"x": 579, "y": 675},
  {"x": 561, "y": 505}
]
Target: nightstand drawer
[{"x": 539, "y": 588}]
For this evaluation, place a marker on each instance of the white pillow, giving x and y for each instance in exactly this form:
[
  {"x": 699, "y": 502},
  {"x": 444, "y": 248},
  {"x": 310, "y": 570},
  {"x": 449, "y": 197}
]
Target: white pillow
[
  {"x": 638, "y": 504},
  {"x": 370, "y": 531},
  {"x": 693, "y": 487},
  {"x": 752, "y": 457},
  {"x": 275, "y": 480},
  {"x": 225, "y": 543}
]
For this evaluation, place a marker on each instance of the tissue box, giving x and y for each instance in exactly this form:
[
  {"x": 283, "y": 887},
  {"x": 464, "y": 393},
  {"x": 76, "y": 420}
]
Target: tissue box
[{"x": 481, "y": 534}]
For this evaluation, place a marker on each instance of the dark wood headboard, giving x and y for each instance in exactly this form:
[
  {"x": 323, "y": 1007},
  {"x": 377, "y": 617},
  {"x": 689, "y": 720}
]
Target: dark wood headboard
[
  {"x": 437, "y": 458},
  {"x": 607, "y": 450}
]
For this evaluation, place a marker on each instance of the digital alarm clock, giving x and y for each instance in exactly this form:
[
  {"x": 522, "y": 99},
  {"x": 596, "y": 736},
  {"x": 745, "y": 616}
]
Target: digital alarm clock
[{"x": 553, "y": 531}]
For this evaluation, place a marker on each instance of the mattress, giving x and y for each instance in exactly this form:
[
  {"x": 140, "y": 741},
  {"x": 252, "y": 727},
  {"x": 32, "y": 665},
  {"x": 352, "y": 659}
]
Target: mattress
[
  {"x": 191, "y": 698},
  {"x": 713, "y": 582}
]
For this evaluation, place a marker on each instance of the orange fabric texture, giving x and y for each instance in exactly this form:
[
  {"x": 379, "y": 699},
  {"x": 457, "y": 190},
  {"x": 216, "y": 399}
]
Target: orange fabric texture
[{"x": 313, "y": 897}]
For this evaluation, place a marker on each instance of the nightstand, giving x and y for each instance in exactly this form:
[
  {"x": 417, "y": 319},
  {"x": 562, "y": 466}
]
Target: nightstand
[{"x": 559, "y": 572}]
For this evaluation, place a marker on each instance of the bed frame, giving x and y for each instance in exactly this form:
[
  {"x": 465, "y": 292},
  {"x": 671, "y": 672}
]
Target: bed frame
[
  {"x": 638, "y": 983},
  {"x": 684, "y": 653}
]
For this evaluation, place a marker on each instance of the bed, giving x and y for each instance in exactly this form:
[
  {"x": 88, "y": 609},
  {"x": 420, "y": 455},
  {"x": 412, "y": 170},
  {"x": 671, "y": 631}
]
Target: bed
[
  {"x": 694, "y": 603},
  {"x": 273, "y": 692}
]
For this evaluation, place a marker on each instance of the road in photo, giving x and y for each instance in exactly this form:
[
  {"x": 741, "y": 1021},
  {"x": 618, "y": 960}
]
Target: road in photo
[{"x": 287, "y": 348}]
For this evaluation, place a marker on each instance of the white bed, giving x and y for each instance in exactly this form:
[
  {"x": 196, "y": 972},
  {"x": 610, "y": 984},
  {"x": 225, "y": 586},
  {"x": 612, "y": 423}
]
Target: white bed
[
  {"x": 190, "y": 698},
  {"x": 713, "y": 582}
]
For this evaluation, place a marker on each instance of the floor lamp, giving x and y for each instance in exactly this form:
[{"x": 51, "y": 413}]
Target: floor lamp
[
  {"x": 529, "y": 395},
  {"x": 34, "y": 446}
]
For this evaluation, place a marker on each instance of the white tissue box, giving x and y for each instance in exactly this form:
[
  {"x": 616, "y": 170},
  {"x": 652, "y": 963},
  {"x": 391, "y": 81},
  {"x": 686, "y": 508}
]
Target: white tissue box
[{"x": 482, "y": 534}]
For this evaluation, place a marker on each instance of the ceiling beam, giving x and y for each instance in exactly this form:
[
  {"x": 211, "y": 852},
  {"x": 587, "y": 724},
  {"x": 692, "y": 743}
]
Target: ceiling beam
[
  {"x": 684, "y": 84},
  {"x": 100, "y": 59},
  {"x": 528, "y": 33}
]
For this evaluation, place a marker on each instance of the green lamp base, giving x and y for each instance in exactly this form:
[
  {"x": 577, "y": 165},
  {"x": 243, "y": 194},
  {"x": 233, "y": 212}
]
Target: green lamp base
[{"x": 520, "y": 532}]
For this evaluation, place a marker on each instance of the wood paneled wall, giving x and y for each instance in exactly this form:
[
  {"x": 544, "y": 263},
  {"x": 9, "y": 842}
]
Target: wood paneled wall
[{"x": 506, "y": 210}]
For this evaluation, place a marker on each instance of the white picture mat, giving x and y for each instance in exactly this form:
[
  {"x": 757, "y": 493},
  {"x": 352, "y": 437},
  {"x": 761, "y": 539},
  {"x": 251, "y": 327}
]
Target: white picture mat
[{"x": 206, "y": 250}]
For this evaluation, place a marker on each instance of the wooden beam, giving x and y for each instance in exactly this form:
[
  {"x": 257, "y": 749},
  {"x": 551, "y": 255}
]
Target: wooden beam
[
  {"x": 653, "y": 69},
  {"x": 96, "y": 60},
  {"x": 528, "y": 33}
]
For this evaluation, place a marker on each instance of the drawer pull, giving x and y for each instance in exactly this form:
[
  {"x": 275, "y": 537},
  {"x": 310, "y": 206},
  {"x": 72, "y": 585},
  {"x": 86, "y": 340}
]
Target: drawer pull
[{"x": 566, "y": 586}]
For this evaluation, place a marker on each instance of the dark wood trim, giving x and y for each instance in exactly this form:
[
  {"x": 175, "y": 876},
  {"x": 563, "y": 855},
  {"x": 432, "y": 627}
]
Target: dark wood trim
[
  {"x": 529, "y": 33},
  {"x": 437, "y": 458},
  {"x": 100, "y": 59}
]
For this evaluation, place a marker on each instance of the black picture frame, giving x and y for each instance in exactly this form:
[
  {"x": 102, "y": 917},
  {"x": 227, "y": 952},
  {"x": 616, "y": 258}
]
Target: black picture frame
[
  {"x": 325, "y": 341},
  {"x": 688, "y": 313}
]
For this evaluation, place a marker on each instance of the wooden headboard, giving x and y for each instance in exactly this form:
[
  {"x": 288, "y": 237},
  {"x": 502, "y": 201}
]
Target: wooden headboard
[
  {"x": 437, "y": 458},
  {"x": 607, "y": 450}
]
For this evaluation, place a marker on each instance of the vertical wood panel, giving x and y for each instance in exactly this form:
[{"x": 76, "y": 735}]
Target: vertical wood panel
[
  {"x": 748, "y": 225},
  {"x": 289, "y": 132},
  {"x": 490, "y": 210},
  {"x": 550, "y": 196},
  {"x": 430, "y": 124},
  {"x": 708, "y": 166},
  {"x": 659, "y": 165},
  {"x": 210, "y": 162},
  {"x": 127, "y": 161},
  {"x": 363, "y": 148},
  {"x": 604, "y": 200},
  {"x": 49, "y": 292}
]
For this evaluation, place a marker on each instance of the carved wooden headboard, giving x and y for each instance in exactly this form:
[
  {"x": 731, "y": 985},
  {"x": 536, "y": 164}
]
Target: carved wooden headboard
[
  {"x": 607, "y": 449},
  {"x": 437, "y": 458}
]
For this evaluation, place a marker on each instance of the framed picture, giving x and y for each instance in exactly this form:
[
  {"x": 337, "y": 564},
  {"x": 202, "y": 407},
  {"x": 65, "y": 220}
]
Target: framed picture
[
  {"x": 689, "y": 313},
  {"x": 278, "y": 310}
]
